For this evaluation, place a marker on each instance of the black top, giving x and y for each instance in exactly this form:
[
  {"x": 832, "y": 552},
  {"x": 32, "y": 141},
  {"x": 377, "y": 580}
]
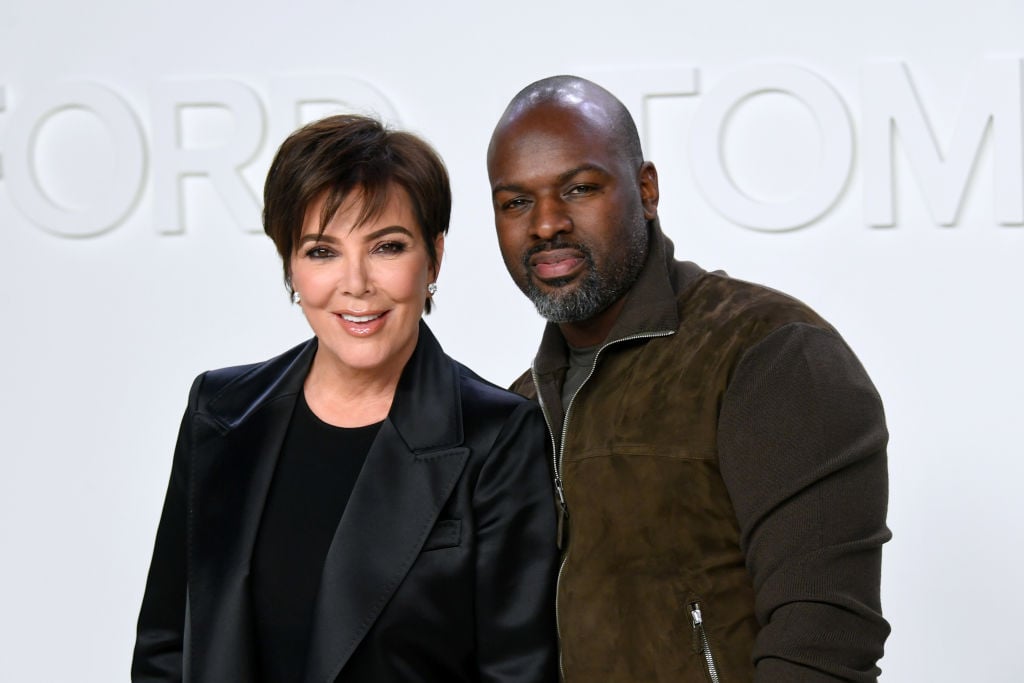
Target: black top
[{"x": 315, "y": 474}]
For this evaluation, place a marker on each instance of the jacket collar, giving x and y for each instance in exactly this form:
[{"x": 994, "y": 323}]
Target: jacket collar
[
  {"x": 409, "y": 473},
  {"x": 427, "y": 408},
  {"x": 650, "y": 308}
]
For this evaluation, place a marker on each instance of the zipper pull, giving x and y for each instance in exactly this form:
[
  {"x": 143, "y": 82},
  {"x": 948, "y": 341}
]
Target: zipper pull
[
  {"x": 697, "y": 624},
  {"x": 562, "y": 533},
  {"x": 701, "y": 643}
]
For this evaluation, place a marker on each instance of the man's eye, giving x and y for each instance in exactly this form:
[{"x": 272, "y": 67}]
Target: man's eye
[
  {"x": 516, "y": 203},
  {"x": 581, "y": 189}
]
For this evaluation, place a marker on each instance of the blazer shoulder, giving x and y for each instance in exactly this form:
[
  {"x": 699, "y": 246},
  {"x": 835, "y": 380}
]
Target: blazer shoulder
[
  {"x": 523, "y": 385},
  {"x": 483, "y": 400},
  {"x": 475, "y": 388},
  {"x": 229, "y": 394}
]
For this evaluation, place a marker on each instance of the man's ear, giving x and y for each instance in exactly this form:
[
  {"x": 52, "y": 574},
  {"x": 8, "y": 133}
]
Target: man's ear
[{"x": 649, "y": 194}]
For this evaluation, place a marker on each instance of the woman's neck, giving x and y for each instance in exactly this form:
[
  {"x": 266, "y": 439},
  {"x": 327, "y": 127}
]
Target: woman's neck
[{"x": 346, "y": 398}]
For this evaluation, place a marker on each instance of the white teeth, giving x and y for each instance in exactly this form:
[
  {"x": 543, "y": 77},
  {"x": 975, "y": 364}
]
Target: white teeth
[{"x": 359, "y": 318}]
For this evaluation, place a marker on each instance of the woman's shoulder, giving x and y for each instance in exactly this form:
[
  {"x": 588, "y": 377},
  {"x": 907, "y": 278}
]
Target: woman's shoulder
[
  {"x": 484, "y": 400},
  {"x": 231, "y": 389},
  {"x": 481, "y": 389}
]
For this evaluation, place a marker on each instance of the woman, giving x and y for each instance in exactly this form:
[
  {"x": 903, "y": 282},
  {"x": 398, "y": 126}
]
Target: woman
[{"x": 362, "y": 507}]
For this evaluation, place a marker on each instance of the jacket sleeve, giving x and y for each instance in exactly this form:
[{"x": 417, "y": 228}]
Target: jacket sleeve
[
  {"x": 802, "y": 448},
  {"x": 158, "y": 656},
  {"x": 517, "y": 559}
]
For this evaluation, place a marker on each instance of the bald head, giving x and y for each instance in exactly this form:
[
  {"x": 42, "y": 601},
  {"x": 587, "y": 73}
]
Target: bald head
[{"x": 589, "y": 101}]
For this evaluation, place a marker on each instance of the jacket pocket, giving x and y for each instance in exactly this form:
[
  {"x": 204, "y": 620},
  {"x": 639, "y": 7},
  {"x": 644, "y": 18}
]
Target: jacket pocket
[
  {"x": 447, "y": 533},
  {"x": 701, "y": 641}
]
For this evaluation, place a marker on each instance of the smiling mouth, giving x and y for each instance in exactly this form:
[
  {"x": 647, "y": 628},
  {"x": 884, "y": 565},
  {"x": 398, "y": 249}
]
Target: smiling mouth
[{"x": 360, "y": 318}]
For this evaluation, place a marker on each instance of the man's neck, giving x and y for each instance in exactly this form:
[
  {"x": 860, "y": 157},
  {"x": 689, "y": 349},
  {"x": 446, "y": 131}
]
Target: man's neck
[{"x": 592, "y": 331}]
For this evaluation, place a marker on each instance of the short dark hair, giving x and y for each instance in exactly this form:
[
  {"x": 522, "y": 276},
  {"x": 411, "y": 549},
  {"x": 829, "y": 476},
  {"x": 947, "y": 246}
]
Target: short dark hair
[{"x": 342, "y": 154}]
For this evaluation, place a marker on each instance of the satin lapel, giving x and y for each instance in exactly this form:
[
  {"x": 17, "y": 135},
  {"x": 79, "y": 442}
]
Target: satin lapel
[
  {"x": 409, "y": 473},
  {"x": 236, "y": 449}
]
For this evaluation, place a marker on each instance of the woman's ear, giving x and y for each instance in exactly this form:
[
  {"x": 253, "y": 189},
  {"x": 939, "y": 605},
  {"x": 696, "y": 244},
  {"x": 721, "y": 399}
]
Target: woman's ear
[{"x": 438, "y": 255}]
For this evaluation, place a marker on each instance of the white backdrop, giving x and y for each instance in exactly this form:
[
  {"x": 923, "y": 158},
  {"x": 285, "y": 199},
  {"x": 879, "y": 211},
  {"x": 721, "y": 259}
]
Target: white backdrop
[{"x": 784, "y": 133}]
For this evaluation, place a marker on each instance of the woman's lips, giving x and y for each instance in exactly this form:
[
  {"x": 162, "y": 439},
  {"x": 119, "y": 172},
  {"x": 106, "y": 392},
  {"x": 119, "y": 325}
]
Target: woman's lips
[
  {"x": 360, "y": 318},
  {"x": 556, "y": 263},
  {"x": 362, "y": 324}
]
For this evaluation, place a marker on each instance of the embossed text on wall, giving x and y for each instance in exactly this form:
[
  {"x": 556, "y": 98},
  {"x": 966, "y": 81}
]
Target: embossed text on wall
[{"x": 893, "y": 120}]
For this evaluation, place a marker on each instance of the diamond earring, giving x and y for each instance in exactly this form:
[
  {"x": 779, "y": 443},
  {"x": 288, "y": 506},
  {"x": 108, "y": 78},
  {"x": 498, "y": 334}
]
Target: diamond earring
[
  {"x": 432, "y": 288},
  {"x": 296, "y": 298}
]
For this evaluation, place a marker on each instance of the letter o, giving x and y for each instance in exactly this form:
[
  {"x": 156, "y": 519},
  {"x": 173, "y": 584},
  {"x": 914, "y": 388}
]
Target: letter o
[
  {"x": 122, "y": 188},
  {"x": 708, "y": 132}
]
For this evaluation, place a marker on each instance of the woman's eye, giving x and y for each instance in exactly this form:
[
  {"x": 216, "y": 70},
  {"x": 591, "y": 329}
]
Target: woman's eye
[
  {"x": 318, "y": 252},
  {"x": 390, "y": 248}
]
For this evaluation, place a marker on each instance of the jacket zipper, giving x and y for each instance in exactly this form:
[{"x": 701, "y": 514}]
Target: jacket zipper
[
  {"x": 562, "y": 517},
  {"x": 701, "y": 638},
  {"x": 558, "y": 450}
]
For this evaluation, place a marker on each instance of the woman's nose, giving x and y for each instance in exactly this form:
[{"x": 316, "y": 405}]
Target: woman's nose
[{"x": 353, "y": 278}]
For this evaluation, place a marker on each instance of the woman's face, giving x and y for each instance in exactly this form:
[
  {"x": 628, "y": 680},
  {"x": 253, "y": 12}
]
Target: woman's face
[{"x": 362, "y": 288}]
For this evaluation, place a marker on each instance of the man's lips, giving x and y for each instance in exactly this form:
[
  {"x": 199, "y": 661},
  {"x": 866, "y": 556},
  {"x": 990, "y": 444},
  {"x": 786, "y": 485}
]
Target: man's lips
[{"x": 556, "y": 263}]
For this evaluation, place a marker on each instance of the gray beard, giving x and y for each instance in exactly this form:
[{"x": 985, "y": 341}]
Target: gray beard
[
  {"x": 596, "y": 290},
  {"x": 580, "y": 303}
]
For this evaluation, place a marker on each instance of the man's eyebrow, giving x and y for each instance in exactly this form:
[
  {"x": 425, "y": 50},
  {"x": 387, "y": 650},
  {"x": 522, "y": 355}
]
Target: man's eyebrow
[
  {"x": 562, "y": 177},
  {"x": 507, "y": 187},
  {"x": 581, "y": 169}
]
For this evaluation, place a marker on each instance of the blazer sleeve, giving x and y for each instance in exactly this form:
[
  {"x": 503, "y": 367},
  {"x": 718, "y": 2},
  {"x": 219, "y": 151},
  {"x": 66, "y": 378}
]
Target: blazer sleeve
[
  {"x": 159, "y": 652},
  {"x": 517, "y": 560},
  {"x": 802, "y": 449}
]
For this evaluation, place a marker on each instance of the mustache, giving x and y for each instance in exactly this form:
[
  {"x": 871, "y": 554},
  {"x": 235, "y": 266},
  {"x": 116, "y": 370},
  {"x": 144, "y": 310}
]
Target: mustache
[{"x": 556, "y": 243}]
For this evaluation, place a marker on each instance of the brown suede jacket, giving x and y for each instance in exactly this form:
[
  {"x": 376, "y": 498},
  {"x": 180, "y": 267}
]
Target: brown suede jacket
[{"x": 724, "y": 474}]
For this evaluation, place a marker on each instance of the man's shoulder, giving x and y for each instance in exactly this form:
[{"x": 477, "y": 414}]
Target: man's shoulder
[{"x": 713, "y": 298}]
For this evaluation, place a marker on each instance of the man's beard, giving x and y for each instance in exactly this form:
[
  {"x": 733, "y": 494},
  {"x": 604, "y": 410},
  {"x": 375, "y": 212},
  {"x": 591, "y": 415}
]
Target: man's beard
[{"x": 594, "y": 291}]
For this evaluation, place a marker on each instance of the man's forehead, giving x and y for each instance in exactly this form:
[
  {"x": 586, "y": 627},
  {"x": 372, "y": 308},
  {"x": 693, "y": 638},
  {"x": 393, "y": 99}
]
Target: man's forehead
[
  {"x": 553, "y": 124},
  {"x": 549, "y": 158}
]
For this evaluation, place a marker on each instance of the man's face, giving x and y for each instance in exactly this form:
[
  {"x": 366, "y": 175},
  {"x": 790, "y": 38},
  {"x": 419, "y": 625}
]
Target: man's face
[{"x": 570, "y": 210}]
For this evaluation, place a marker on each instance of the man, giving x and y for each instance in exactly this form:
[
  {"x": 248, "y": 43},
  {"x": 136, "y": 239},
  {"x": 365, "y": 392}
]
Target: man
[{"x": 719, "y": 451}]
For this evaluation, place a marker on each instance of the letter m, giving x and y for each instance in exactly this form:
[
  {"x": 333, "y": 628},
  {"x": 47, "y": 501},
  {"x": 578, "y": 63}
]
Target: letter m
[{"x": 892, "y": 108}]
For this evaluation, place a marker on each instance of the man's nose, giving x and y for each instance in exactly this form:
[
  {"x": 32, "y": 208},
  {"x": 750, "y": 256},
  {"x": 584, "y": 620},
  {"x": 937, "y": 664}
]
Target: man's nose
[{"x": 550, "y": 219}]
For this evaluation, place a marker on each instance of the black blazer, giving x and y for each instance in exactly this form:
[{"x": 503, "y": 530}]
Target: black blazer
[{"x": 442, "y": 567}]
